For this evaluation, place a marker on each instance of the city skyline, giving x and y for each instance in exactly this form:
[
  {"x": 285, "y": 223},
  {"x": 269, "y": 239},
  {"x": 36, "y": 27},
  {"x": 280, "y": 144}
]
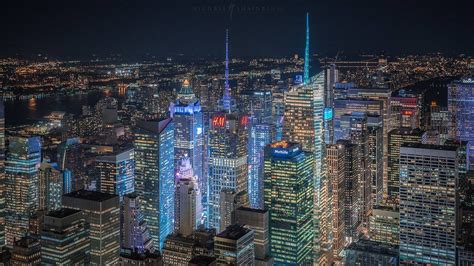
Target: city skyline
[{"x": 296, "y": 160}]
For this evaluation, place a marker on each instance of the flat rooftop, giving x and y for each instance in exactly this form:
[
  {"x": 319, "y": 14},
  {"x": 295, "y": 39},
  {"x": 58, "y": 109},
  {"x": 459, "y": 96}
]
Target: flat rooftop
[
  {"x": 63, "y": 212},
  {"x": 234, "y": 232},
  {"x": 252, "y": 210},
  {"x": 90, "y": 195}
]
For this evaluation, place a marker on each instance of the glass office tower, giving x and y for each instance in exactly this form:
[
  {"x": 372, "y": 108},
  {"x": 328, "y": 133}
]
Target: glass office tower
[
  {"x": 21, "y": 169},
  {"x": 289, "y": 191},
  {"x": 154, "y": 175}
]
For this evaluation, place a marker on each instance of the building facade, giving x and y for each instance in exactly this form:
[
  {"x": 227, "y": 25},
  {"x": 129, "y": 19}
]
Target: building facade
[
  {"x": 289, "y": 186},
  {"x": 65, "y": 238},
  {"x": 154, "y": 176},
  {"x": 102, "y": 213},
  {"x": 428, "y": 182},
  {"x": 21, "y": 170}
]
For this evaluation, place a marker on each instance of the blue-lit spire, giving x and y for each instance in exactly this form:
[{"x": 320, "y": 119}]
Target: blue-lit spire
[
  {"x": 226, "y": 100},
  {"x": 306, "y": 53}
]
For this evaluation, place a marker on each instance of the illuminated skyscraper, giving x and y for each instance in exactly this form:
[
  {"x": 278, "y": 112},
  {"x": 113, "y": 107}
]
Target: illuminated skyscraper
[
  {"x": 352, "y": 207},
  {"x": 117, "y": 172},
  {"x": 331, "y": 78},
  {"x": 26, "y": 251},
  {"x": 278, "y": 108},
  {"x": 439, "y": 121},
  {"x": 375, "y": 141},
  {"x": 228, "y": 139},
  {"x": 258, "y": 221},
  {"x": 71, "y": 157},
  {"x": 336, "y": 175},
  {"x": 348, "y": 106},
  {"x": 461, "y": 111},
  {"x": 384, "y": 225},
  {"x": 258, "y": 104},
  {"x": 65, "y": 238},
  {"x": 229, "y": 202},
  {"x": 289, "y": 186},
  {"x": 428, "y": 184},
  {"x": 304, "y": 124},
  {"x": 396, "y": 138},
  {"x": 102, "y": 213},
  {"x": 405, "y": 112},
  {"x": 2, "y": 174},
  {"x": 234, "y": 246},
  {"x": 366, "y": 252},
  {"x": 21, "y": 168},
  {"x": 136, "y": 236},
  {"x": 228, "y": 159},
  {"x": 154, "y": 176},
  {"x": 304, "y": 107},
  {"x": 383, "y": 95},
  {"x": 187, "y": 200},
  {"x": 189, "y": 133},
  {"x": 50, "y": 186},
  {"x": 360, "y": 139}
]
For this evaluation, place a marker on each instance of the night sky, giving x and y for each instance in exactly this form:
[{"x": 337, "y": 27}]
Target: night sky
[{"x": 195, "y": 28}]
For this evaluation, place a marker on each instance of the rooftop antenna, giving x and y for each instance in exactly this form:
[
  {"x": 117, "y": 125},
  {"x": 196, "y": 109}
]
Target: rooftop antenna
[{"x": 226, "y": 98}]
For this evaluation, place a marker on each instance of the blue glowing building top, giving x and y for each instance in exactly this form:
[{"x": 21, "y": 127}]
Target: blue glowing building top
[{"x": 187, "y": 103}]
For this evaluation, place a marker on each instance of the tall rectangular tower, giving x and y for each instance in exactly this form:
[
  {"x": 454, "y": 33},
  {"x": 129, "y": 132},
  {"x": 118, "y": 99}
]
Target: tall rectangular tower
[
  {"x": 289, "y": 186},
  {"x": 102, "y": 213},
  {"x": 258, "y": 104},
  {"x": 154, "y": 175},
  {"x": 461, "y": 112},
  {"x": 187, "y": 117},
  {"x": 65, "y": 238},
  {"x": 396, "y": 138},
  {"x": 228, "y": 167},
  {"x": 21, "y": 169},
  {"x": 428, "y": 204},
  {"x": 117, "y": 172}
]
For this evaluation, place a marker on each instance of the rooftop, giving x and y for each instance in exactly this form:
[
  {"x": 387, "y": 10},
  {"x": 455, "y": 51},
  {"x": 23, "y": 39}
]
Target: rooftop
[
  {"x": 234, "y": 232},
  {"x": 61, "y": 213},
  {"x": 202, "y": 260},
  {"x": 252, "y": 210},
  {"x": 429, "y": 146},
  {"x": 90, "y": 195}
]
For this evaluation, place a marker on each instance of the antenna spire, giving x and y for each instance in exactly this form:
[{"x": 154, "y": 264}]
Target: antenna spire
[
  {"x": 306, "y": 52},
  {"x": 226, "y": 98}
]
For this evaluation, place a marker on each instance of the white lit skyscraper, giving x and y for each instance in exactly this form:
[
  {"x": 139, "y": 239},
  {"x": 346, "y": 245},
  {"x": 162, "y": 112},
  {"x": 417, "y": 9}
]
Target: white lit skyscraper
[
  {"x": 189, "y": 133},
  {"x": 303, "y": 124},
  {"x": 188, "y": 209},
  {"x": 461, "y": 111},
  {"x": 154, "y": 176},
  {"x": 117, "y": 172},
  {"x": 258, "y": 104},
  {"x": 2, "y": 174},
  {"x": 102, "y": 213},
  {"x": 428, "y": 182},
  {"x": 21, "y": 168},
  {"x": 228, "y": 136},
  {"x": 136, "y": 235},
  {"x": 289, "y": 195}
]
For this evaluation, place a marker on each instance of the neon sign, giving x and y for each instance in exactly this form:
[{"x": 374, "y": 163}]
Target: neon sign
[
  {"x": 244, "y": 120},
  {"x": 218, "y": 121}
]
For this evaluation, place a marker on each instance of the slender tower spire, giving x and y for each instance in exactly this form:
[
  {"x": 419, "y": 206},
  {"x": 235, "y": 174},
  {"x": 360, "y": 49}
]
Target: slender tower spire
[
  {"x": 226, "y": 98},
  {"x": 306, "y": 52}
]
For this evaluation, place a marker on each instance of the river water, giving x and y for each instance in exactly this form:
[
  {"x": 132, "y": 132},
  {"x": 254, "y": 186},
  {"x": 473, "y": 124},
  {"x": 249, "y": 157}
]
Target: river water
[{"x": 26, "y": 112}]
